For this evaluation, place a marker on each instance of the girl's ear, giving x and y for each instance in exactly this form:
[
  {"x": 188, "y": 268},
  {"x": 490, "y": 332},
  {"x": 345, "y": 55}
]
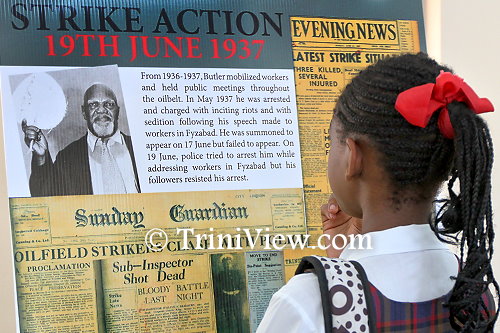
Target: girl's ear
[{"x": 354, "y": 159}]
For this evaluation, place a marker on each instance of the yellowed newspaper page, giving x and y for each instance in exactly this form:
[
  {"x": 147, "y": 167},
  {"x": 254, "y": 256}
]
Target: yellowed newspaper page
[
  {"x": 56, "y": 295},
  {"x": 159, "y": 292},
  {"x": 327, "y": 53},
  {"x": 86, "y": 262},
  {"x": 117, "y": 219}
]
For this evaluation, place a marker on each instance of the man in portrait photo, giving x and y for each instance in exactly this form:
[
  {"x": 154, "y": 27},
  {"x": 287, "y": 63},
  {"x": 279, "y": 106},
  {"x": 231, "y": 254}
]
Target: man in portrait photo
[
  {"x": 231, "y": 304},
  {"x": 99, "y": 162}
]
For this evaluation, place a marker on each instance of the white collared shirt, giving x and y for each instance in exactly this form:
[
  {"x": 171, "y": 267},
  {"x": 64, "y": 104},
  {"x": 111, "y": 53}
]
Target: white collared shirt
[
  {"x": 406, "y": 264},
  {"x": 120, "y": 153}
]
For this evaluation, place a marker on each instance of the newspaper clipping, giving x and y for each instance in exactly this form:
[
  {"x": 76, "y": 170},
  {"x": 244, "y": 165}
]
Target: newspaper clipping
[{"x": 327, "y": 53}]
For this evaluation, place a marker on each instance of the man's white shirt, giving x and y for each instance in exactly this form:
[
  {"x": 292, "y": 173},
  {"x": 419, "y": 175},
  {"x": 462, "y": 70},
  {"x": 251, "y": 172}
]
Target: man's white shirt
[{"x": 120, "y": 153}]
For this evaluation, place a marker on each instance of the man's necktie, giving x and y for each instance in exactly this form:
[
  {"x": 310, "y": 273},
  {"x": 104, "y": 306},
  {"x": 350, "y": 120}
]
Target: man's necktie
[{"x": 111, "y": 176}]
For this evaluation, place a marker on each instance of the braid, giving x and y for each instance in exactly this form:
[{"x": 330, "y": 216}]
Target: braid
[
  {"x": 471, "y": 212},
  {"x": 418, "y": 159}
]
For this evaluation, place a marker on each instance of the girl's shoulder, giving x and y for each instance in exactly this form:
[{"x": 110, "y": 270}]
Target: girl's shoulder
[{"x": 295, "y": 307}]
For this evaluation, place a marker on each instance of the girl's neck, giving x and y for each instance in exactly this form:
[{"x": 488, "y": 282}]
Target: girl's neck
[
  {"x": 382, "y": 215},
  {"x": 382, "y": 204}
]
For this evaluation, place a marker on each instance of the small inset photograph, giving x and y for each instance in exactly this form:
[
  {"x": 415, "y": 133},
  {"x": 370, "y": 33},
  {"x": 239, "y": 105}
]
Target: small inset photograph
[
  {"x": 230, "y": 292},
  {"x": 74, "y": 132}
]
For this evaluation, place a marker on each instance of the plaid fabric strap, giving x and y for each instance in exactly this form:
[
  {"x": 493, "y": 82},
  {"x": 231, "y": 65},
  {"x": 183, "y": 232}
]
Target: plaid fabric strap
[{"x": 345, "y": 307}]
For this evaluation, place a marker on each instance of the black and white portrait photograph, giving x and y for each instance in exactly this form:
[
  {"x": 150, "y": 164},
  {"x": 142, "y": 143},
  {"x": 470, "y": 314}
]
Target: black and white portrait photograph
[
  {"x": 230, "y": 293},
  {"x": 74, "y": 132}
]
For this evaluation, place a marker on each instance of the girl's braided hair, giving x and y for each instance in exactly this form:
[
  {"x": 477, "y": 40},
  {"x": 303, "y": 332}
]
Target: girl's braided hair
[{"x": 418, "y": 160}]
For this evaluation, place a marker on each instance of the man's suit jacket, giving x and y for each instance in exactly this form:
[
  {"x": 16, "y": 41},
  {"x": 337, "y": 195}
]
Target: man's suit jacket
[{"x": 70, "y": 173}]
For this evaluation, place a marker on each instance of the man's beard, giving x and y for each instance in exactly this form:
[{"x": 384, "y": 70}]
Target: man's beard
[{"x": 103, "y": 126}]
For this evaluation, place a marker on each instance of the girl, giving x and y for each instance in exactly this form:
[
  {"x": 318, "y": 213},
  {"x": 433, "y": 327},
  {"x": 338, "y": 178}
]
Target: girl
[{"x": 400, "y": 128}]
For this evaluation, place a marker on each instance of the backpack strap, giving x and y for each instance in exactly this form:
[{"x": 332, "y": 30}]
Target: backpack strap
[{"x": 343, "y": 293}]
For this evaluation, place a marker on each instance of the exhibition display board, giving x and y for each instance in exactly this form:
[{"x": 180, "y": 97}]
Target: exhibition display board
[{"x": 166, "y": 161}]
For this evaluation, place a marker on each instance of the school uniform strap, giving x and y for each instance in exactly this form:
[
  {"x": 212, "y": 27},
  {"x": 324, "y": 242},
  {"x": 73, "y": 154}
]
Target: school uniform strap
[{"x": 343, "y": 293}]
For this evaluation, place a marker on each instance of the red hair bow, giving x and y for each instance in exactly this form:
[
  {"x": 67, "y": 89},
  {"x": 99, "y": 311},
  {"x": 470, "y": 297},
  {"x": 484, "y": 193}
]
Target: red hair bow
[{"x": 418, "y": 104}]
